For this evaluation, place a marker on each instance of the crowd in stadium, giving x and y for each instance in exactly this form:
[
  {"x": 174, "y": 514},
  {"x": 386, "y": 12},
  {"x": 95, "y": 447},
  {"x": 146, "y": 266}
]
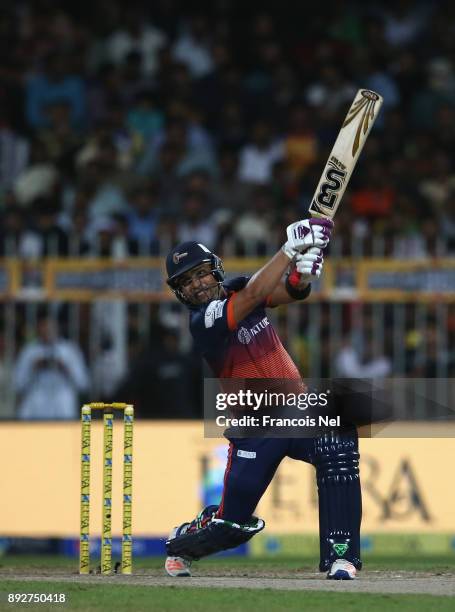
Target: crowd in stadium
[{"x": 125, "y": 128}]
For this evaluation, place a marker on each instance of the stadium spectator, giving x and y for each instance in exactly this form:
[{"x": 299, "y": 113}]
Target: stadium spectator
[
  {"x": 331, "y": 90},
  {"x": 253, "y": 228},
  {"x": 194, "y": 223},
  {"x": 403, "y": 23},
  {"x": 100, "y": 173},
  {"x": 300, "y": 142},
  {"x": 39, "y": 179},
  {"x": 431, "y": 360},
  {"x": 50, "y": 374},
  {"x": 144, "y": 118},
  {"x": 104, "y": 88},
  {"x": 371, "y": 363},
  {"x": 14, "y": 153},
  {"x": 190, "y": 142},
  {"x": 193, "y": 47},
  {"x": 143, "y": 216},
  {"x": 45, "y": 237},
  {"x": 60, "y": 140},
  {"x": 158, "y": 379},
  {"x": 375, "y": 197},
  {"x": 135, "y": 35},
  {"x": 12, "y": 232},
  {"x": 229, "y": 193},
  {"x": 259, "y": 155},
  {"x": 55, "y": 83}
]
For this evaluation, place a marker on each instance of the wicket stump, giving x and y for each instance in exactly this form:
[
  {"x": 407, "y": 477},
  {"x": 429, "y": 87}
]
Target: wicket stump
[{"x": 106, "y": 534}]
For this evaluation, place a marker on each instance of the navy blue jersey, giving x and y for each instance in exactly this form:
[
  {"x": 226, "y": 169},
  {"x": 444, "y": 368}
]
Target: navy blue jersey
[{"x": 239, "y": 349}]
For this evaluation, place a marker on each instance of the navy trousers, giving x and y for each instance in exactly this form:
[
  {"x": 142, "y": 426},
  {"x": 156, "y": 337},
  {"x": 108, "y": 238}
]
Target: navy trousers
[{"x": 252, "y": 463}]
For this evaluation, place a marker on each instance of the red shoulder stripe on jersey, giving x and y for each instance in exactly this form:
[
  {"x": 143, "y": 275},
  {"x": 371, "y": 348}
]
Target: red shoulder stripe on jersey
[{"x": 232, "y": 323}]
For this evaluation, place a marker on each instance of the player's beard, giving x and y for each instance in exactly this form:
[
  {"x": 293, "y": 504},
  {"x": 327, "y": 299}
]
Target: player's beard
[{"x": 203, "y": 295}]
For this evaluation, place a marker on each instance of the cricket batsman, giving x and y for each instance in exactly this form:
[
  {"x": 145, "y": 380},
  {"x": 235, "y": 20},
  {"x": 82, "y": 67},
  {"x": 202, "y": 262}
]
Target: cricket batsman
[{"x": 219, "y": 310}]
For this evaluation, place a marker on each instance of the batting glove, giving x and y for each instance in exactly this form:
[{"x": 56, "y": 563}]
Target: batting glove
[
  {"x": 305, "y": 234},
  {"x": 308, "y": 267}
]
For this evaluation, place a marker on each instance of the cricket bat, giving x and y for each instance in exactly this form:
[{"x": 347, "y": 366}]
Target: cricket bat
[{"x": 345, "y": 153}]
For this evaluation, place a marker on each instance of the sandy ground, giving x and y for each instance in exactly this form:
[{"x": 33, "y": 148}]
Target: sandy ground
[{"x": 368, "y": 582}]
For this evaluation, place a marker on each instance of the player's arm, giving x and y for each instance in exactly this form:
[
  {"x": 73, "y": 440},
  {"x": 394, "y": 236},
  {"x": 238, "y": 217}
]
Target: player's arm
[
  {"x": 259, "y": 287},
  {"x": 302, "y": 235},
  {"x": 281, "y": 295},
  {"x": 296, "y": 285}
]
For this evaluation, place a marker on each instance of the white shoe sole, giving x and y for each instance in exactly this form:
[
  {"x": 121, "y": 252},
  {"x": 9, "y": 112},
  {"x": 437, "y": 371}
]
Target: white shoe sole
[
  {"x": 183, "y": 572},
  {"x": 340, "y": 575}
]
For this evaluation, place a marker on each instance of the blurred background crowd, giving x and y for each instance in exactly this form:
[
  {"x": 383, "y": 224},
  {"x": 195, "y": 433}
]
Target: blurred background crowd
[
  {"x": 125, "y": 127},
  {"x": 129, "y": 124}
]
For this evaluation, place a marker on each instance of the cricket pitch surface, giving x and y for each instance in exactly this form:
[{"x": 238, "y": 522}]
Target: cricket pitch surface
[{"x": 380, "y": 581}]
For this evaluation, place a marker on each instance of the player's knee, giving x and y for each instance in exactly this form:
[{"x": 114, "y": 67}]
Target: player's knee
[{"x": 336, "y": 458}]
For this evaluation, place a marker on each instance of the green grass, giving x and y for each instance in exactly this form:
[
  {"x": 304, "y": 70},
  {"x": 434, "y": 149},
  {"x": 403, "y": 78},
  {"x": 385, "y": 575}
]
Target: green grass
[
  {"x": 164, "y": 599},
  {"x": 100, "y": 597},
  {"x": 408, "y": 562}
]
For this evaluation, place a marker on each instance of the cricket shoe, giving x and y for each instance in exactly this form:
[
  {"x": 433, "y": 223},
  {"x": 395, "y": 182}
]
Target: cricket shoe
[
  {"x": 177, "y": 567},
  {"x": 341, "y": 570}
]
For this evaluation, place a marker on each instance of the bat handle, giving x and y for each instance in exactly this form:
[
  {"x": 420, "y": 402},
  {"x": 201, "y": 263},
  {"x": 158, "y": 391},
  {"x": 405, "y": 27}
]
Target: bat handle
[{"x": 320, "y": 216}]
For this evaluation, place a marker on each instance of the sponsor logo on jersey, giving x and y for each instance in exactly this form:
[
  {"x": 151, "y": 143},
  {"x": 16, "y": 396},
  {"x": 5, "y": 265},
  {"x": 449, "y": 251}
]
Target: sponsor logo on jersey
[
  {"x": 246, "y": 454},
  {"x": 244, "y": 335},
  {"x": 263, "y": 323}
]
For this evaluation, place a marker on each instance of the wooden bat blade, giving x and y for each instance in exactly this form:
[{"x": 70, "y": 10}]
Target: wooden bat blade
[{"x": 345, "y": 153}]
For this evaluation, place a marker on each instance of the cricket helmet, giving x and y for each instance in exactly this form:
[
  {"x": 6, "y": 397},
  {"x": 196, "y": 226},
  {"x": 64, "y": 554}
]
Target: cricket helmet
[{"x": 186, "y": 256}]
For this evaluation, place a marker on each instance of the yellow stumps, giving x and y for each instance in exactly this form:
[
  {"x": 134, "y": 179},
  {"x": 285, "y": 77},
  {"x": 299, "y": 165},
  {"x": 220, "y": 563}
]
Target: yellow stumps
[
  {"x": 106, "y": 534},
  {"x": 127, "y": 540},
  {"x": 84, "y": 543}
]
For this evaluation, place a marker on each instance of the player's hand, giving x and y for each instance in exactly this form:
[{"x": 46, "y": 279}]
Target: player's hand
[
  {"x": 305, "y": 234},
  {"x": 308, "y": 267}
]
